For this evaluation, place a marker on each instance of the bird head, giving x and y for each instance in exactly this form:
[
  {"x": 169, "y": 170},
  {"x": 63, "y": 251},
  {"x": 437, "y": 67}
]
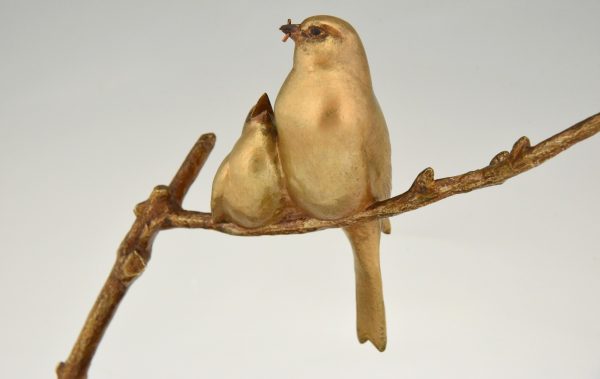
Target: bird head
[
  {"x": 260, "y": 116},
  {"x": 326, "y": 42}
]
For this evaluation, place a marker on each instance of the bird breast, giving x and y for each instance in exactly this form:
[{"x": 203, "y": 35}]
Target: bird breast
[{"x": 322, "y": 122}]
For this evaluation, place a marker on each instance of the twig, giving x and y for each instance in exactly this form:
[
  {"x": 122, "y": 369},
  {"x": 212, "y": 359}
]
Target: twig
[{"x": 163, "y": 211}]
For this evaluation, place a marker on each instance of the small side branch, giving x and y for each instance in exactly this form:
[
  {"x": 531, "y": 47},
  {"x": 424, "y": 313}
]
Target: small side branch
[{"x": 191, "y": 166}]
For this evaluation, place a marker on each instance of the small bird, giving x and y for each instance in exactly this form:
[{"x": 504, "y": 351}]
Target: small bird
[
  {"x": 334, "y": 148},
  {"x": 248, "y": 187}
]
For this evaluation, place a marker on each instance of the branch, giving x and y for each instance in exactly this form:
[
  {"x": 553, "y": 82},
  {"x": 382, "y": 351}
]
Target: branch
[
  {"x": 163, "y": 211},
  {"x": 424, "y": 190},
  {"x": 132, "y": 257}
]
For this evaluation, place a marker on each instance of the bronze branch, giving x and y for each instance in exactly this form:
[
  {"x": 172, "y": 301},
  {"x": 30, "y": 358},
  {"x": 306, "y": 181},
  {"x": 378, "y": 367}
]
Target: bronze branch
[{"x": 163, "y": 211}]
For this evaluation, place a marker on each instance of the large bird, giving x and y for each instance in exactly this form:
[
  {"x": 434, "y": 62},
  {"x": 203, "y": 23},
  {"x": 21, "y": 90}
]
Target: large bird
[{"x": 334, "y": 148}]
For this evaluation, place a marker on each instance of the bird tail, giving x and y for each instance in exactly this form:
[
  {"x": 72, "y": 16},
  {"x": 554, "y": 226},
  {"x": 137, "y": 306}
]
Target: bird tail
[
  {"x": 370, "y": 311},
  {"x": 386, "y": 226}
]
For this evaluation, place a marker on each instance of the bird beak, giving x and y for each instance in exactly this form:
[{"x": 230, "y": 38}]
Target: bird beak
[{"x": 290, "y": 30}]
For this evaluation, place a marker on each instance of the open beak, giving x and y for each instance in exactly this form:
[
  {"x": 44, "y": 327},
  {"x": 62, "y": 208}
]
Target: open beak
[{"x": 290, "y": 30}]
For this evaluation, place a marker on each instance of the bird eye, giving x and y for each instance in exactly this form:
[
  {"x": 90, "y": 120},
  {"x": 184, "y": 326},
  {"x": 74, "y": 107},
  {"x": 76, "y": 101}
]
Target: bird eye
[{"x": 315, "y": 31}]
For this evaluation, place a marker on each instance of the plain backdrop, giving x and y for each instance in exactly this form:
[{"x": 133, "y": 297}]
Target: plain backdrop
[{"x": 101, "y": 100}]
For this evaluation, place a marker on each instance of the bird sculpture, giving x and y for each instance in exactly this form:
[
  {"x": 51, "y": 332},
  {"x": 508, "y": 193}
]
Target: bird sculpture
[{"x": 333, "y": 151}]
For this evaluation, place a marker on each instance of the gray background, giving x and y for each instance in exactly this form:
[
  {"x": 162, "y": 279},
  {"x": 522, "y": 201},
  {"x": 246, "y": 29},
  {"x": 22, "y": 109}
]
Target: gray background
[{"x": 100, "y": 101}]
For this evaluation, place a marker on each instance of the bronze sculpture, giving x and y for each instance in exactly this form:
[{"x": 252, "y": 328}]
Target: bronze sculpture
[{"x": 163, "y": 211}]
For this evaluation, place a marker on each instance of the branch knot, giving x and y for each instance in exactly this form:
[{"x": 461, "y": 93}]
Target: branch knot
[
  {"x": 499, "y": 158},
  {"x": 424, "y": 182},
  {"x": 520, "y": 147},
  {"x": 133, "y": 266}
]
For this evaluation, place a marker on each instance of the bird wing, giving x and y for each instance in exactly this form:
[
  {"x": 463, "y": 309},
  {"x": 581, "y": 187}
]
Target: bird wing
[{"x": 378, "y": 151}]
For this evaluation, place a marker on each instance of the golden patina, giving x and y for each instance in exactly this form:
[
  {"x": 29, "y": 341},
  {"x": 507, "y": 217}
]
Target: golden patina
[{"x": 304, "y": 179}]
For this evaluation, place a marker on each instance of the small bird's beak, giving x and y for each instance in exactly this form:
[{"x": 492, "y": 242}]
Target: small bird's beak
[{"x": 290, "y": 30}]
